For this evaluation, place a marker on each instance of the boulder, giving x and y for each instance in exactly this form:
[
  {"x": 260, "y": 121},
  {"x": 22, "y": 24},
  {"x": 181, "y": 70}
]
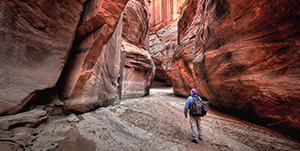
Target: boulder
[
  {"x": 137, "y": 73},
  {"x": 30, "y": 118},
  {"x": 245, "y": 59},
  {"x": 36, "y": 38}
]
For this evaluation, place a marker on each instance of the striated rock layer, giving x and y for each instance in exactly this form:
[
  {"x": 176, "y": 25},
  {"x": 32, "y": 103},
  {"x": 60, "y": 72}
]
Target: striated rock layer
[
  {"x": 137, "y": 73},
  {"x": 182, "y": 72},
  {"x": 163, "y": 44},
  {"x": 244, "y": 57},
  {"x": 36, "y": 37},
  {"x": 137, "y": 66},
  {"x": 164, "y": 16},
  {"x": 163, "y": 12}
]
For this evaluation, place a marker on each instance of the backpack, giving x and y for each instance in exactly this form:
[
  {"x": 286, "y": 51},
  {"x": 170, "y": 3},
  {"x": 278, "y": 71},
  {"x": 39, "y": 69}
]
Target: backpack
[
  {"x": 204, "y": 109},
  {"x": 196, "y": 106}
]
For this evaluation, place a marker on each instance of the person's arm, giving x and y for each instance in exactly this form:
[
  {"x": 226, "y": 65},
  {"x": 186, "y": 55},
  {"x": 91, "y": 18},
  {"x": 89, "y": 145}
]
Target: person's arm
[{"x": 186, "y": 107}]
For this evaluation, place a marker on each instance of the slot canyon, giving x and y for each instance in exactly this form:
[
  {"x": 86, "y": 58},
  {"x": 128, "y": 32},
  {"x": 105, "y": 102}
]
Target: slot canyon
[{"x": 86, "y": 75}]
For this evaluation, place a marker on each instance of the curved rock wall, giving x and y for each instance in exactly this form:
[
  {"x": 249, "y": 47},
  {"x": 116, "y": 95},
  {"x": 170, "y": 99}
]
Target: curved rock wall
[
  {"x": 137, "y": 66},
  {"x": 244, "y": 58},
  {"x": 87, "y": 82},
  {"x": 183, "y": 75},
  {"x": 74, "y": 48},
  {"x": 241, "y": 55},
  {"x": 123, "y": 67},
  {"x": 135, "y": 24},
  {"x": 36, "y": 37}
]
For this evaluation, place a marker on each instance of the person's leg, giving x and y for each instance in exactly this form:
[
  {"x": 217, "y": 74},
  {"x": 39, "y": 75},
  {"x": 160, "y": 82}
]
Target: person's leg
[
  {"x": 194, "y": 129},
  {"x": 199, "y": 128}
]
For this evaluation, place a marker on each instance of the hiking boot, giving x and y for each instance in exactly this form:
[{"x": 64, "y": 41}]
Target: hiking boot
[{"x": 195, "y": 141}]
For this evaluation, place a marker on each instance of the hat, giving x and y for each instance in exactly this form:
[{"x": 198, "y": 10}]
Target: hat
[{"x": 194, "y": 91}]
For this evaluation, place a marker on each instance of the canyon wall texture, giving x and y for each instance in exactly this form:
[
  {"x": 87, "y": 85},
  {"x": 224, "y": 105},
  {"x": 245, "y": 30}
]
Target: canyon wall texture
[
  {"x": 36, "y": 37},
  {"x": 137, "y": 67},
  {"x": 87, "y": 80},
  {"x": 104, "y": 68},
  {"x": 182, "y": 72},
  {"x": 163, "y": 44},
  {"x": 87, "y": 54},
  {"x": 164, "y": 16},
  {"x": 244, "y": 57},
  {"x": 163, "y": 12}
]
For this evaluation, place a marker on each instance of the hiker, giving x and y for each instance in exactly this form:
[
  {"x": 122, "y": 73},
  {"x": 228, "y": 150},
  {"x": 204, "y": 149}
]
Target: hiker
[{"x": 194, "y": 119}]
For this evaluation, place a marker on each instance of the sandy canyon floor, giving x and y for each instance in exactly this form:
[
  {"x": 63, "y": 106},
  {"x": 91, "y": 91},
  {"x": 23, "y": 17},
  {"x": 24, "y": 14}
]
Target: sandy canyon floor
[{"x": 154, "y": 122}]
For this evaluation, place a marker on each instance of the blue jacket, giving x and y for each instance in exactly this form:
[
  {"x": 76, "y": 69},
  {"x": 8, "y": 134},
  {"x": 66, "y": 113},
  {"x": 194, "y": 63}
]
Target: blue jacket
[{"x": 187, "y": 104}]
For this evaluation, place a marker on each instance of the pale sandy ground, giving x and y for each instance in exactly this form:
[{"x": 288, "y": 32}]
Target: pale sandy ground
[{"x": 155, "y": 122}]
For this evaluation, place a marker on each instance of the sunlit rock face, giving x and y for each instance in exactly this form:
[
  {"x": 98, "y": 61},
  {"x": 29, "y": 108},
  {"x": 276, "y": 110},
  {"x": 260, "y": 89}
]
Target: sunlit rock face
[
  {"x": 163, "y": 12},
  {"x": 182, "y": 72},
  {"x": 244, "y": 58},
  {"x": 163, "y": 35},
  {"x": 90, "y": 77},
  {"x": 98, "y": 87},
  {"x": 163, "y": 44},
  {"x": 91, "y": 53},
  {"x": 111, "y": 59},
  {"x": 36, "y": 37}
]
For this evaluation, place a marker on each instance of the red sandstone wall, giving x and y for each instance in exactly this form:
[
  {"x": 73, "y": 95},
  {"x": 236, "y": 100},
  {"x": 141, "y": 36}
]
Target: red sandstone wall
[
  {"x": 163, "y": 35},
  {"x": 137, "y": 66},
  {"x": 163, "y": 12},
  {"x": 244, "y": 57},
  {"x": 36, "y": 38},
  {"x": 47, "y": 48}
]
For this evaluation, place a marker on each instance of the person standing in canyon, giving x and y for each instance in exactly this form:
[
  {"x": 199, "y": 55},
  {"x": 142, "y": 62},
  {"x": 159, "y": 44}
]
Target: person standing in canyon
[{"x": 195, "y": 120}]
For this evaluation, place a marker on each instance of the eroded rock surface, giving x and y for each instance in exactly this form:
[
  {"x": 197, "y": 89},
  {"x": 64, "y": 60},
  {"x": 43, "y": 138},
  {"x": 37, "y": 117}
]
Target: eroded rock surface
[
  {"x": 183, "y": 75},
  {"x": 111, "y": 59},
  {"x": 41, "y": 39},
  {"x": 90, "y": 78},
  {"x": 163, "y": 44},
  {"x": 36, "y": 38},
  {"x": 164, "y": 16},
  {"x": 138, "y": 71},
  {"x": 163, "y": 13},
  {"x": 138, "y": 68},
  {"x": 30, "y": 118},
  {"x": 244, "y": 57}
]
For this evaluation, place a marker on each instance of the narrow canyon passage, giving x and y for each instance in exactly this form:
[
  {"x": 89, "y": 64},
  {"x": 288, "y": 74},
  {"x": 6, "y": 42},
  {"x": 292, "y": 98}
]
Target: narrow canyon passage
[
  {"x": 79, "y": 74},
  {"x": 154, "y": 122}
]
